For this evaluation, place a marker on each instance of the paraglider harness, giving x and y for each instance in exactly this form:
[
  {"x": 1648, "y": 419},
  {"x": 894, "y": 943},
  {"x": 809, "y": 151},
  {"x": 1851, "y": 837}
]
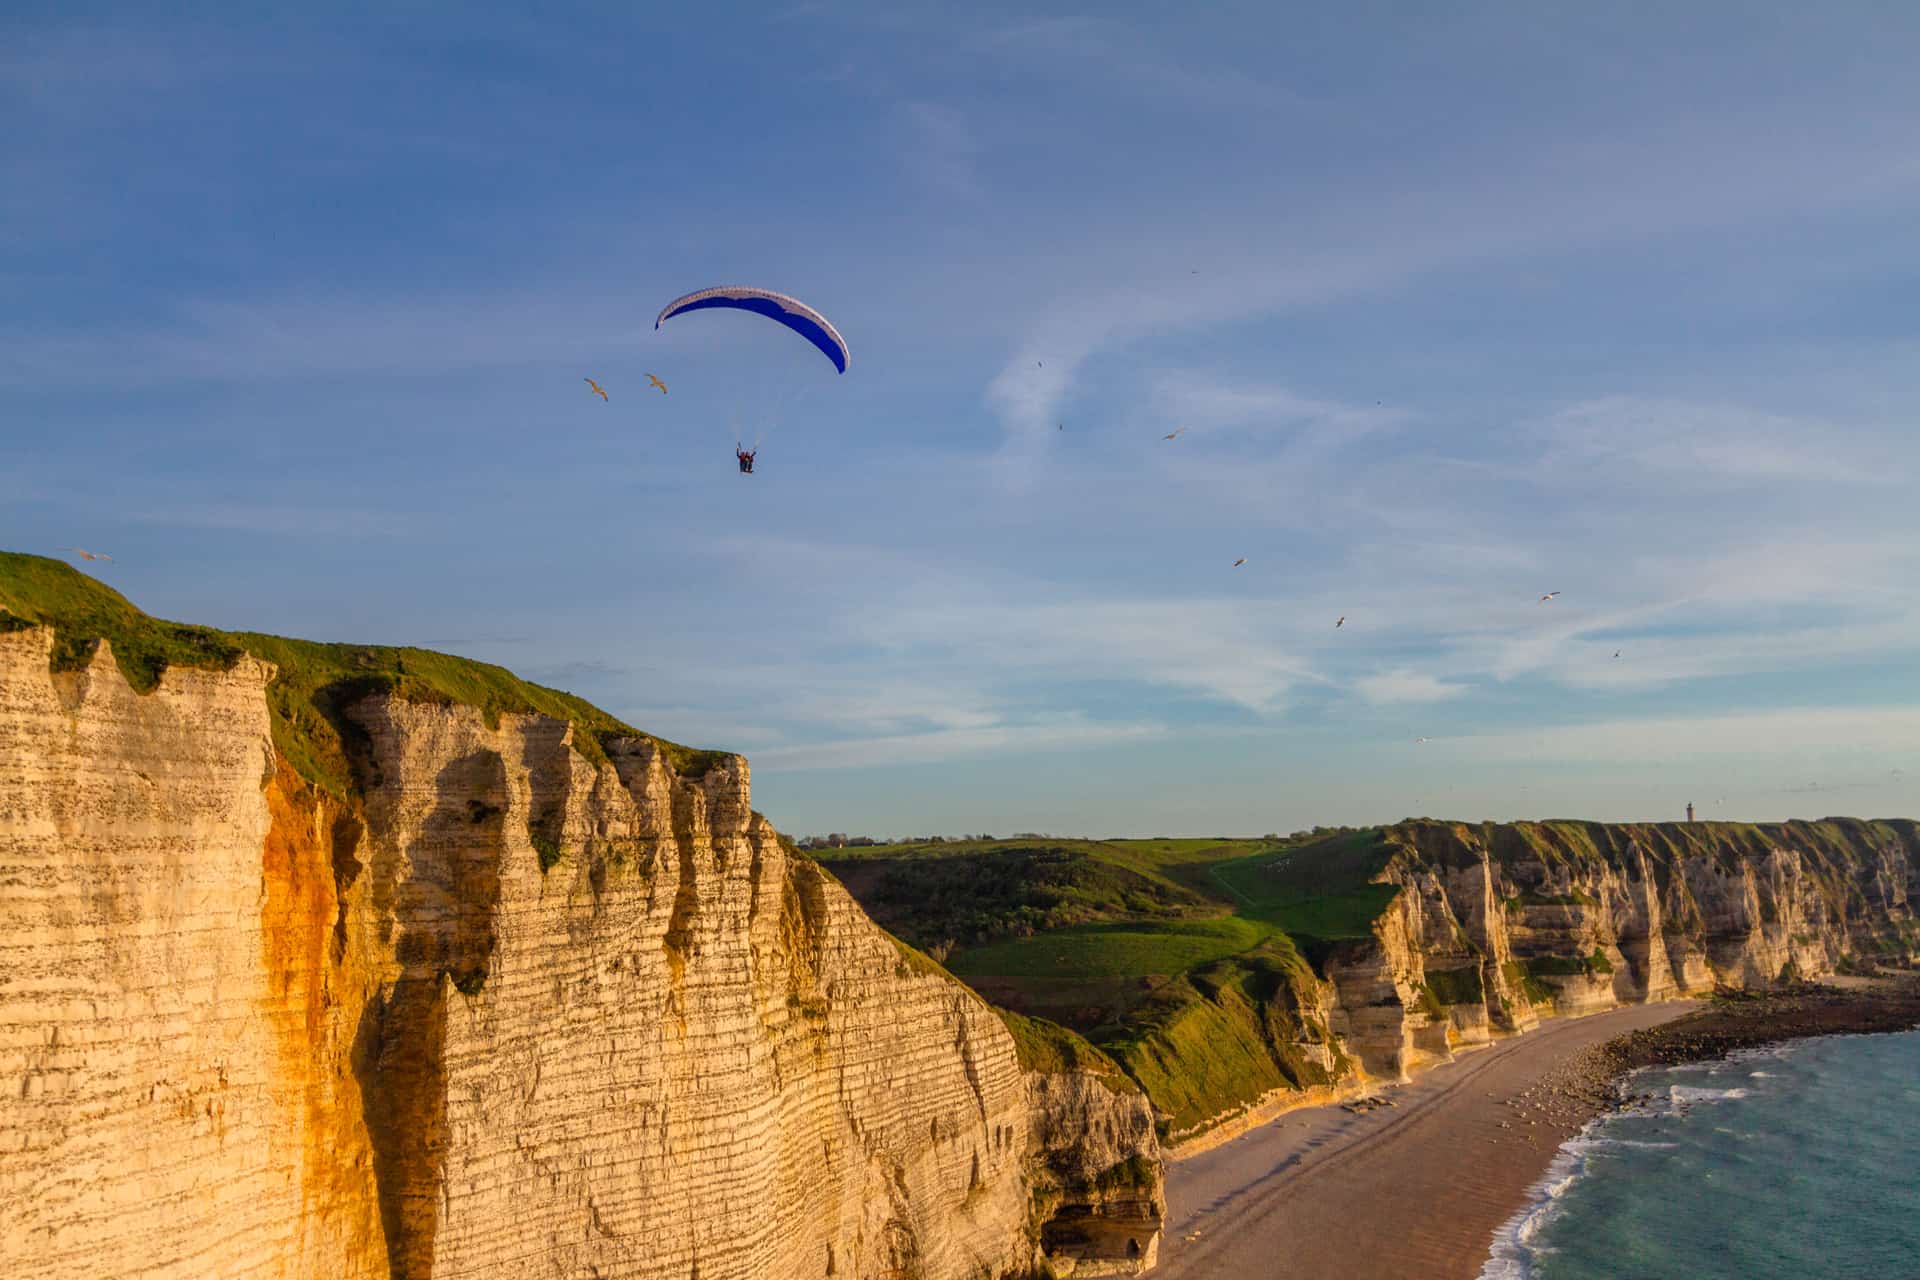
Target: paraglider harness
[{"x": 746, "y": 459}]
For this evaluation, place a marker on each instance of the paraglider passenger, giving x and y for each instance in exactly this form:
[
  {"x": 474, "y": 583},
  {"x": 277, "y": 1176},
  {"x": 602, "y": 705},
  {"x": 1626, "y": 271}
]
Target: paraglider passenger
[{"x": 746, "y": 460}]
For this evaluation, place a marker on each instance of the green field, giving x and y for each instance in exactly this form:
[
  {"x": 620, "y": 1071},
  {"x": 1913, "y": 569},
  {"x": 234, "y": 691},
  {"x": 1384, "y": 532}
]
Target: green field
[
  {"x": 1320, "y": 891},
  {"x": 1116, "y": 950}
]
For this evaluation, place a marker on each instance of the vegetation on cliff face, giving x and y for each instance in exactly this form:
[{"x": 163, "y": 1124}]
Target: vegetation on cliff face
[
  {"x": 1222, "y": 1035},
  {"x": 1049, "y": 1047},
  {"x": 314, "y": 682}
]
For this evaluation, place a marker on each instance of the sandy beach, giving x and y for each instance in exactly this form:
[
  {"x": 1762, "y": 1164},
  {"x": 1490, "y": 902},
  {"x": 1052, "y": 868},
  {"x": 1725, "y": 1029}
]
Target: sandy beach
[{"x": 1415, "y": 1190}]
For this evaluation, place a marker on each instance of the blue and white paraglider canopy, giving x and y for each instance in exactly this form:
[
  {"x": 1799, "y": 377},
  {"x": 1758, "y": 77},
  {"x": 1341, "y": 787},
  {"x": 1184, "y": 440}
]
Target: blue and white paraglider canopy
[{"x": 791, "y": 312}]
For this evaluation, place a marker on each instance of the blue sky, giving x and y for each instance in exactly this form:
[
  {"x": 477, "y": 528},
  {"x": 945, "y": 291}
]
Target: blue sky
[{"x": 1457, "y": 308}]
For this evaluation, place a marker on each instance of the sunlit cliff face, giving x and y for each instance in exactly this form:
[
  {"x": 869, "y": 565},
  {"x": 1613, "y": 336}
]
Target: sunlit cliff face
[{"x": 506, "y": 1005}]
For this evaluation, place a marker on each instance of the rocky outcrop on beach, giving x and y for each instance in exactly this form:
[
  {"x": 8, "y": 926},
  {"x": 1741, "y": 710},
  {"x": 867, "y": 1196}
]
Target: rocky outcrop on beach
[
  {"x": 1100, "y": 1191},
  {"x": 511, "y": 1007},
  {"x": 1498, "y": 925}
]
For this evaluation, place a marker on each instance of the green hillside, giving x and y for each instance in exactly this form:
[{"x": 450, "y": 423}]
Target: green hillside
[
  {"x": 939, "y": 896},
  {"x": 1185, "y": 960},
  {"x": 314, "y": 681}
]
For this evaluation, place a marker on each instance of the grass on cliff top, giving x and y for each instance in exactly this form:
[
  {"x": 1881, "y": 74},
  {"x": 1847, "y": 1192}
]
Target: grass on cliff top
[
  {"x": 1178, "y": 863},
  {"x": 314, "y": 682},
  {"x": 1570, "y": 844},
  {"x": 1320, "y": 890},
  {"x": 1048, "y": 1046}
]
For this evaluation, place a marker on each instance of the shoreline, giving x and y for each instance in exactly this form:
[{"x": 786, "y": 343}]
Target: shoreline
[
  {"x": 1738, "y": 1023},
  {"x": 1425, "y": 1185}
]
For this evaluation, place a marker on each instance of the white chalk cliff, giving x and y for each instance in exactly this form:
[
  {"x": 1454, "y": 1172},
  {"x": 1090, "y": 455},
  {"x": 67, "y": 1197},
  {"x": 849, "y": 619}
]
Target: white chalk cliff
[{"x": 510, "y": 1011}]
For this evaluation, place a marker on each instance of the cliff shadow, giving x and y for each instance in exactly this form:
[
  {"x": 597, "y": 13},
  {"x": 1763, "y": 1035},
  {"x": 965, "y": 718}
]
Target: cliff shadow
[{"x": 444, "y": 891}]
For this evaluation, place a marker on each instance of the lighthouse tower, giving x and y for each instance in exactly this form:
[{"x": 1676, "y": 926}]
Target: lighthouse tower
[{"x": 1689, "y": 811}]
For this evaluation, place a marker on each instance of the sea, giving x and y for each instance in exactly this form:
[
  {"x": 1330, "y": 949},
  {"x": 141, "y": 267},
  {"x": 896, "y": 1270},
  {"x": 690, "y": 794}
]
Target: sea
[{"x": 1795, "y": 1162}]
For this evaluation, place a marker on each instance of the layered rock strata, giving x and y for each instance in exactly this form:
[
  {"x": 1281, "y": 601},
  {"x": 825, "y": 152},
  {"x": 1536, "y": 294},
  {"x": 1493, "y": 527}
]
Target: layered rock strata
[
  {"x": 512, "y": 1011},
  {"x": 1497, "y": 926}
]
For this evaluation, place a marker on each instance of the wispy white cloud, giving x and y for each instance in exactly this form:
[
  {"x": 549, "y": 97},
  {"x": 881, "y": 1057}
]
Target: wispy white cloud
[
  {"x": 1123, "y": 62},
  {"x": 1203, "y": 401},
  {"x": 1712, "y": 444},
  {"x": 1891, "y": 730},
  {"x": 1650, "y": 661},
  {"x": 948, "y": 744},
  {"x": 232, "y": 341},
  {"x": 335, "y": 522},
  {"x": 1646, "y": 177},
  {"x": 942, "y": 150},
  {"x": 1404, "y": 684}
]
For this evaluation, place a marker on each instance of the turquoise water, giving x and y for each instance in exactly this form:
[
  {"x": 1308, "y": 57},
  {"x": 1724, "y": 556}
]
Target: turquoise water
[{"x": 1801, "y": 1161}]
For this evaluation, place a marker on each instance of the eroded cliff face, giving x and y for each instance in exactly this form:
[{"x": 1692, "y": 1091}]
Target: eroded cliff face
[
  {"x": 1099, "y": 1193},
  {"x": 1493, "y": 927},
  {"x": 517, "y": 1012},
  {"x": 1497, "y": 926}
]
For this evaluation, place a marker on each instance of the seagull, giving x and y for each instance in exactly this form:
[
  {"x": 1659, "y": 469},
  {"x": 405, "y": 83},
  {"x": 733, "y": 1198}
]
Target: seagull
[
  {"x": 1550, "y": 595},
  {"x": 1174, "y": 434},
  {"x": 1341, "y": 623},
  {"x": 89, "y": 555},
  {"x": 1237, "y": 563},
  {"x": 655, "y": 382},
  {"x": 596, "y": 388},
  {"x": 1418, "y": 741}
]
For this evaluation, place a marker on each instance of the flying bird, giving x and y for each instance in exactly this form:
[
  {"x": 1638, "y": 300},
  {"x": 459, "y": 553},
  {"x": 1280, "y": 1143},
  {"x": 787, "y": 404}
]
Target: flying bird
[
  {"x": 1341, "y": 623},
  {"x": 1237, "y": 563},
  {"x": 655, "y": 382},
  {"x": 1550, "y": 595},
  {"x": 1174, "y": 434},
  {"x": 596, "y": 388},
  {"x": 1616, "y": 653},
  {"x": 1418, "y": 741},
  {"x": 89, "y": 555}
]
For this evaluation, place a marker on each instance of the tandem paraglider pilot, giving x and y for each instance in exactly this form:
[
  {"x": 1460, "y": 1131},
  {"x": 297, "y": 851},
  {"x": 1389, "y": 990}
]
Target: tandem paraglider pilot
[{"x": 746, "y": 459}]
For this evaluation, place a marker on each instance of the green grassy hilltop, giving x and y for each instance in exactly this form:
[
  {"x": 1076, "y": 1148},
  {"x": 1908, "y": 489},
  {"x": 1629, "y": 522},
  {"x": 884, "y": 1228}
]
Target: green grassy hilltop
[{"x": 313, "y": 681}]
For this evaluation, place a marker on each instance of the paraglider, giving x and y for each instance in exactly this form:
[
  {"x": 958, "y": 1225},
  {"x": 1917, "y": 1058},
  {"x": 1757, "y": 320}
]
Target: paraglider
[
  {"x": 596, "y": 388},
  {"x": 791, "y": 312},
  {"x": 788, "y": 311}
]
